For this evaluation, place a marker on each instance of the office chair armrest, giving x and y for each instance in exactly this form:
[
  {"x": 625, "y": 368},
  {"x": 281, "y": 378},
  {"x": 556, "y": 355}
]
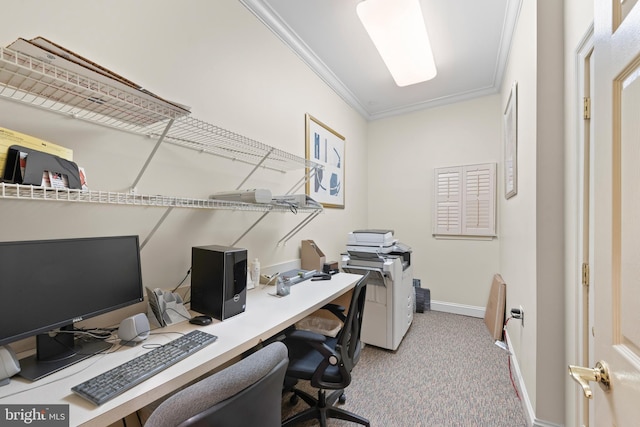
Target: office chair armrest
[
  {"x": 317, "y": 342},
  {"x": 336, "y": 310}
]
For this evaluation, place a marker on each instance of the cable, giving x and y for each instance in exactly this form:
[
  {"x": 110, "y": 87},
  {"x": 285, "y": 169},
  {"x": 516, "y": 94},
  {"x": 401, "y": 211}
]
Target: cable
[
  {"x": 177, "y": 312},
  {"x": 151, "y": 346},
  {"x": 293, "y": 207},
  {"x": 182, "y": 281},
  {"x": 504, "y": 338},
  {"x": 97, "y": 333},
  {"x": 512, "y": 381}
]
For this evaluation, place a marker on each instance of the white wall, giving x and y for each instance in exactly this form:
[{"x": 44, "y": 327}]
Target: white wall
[
  {"x": 517, "y": 215},
  {"x": 532, "y": 250},
  {"x": 403, "y": 152},
  {"x": 551, "y": 368},
  {"x": 217, "y": 58}
]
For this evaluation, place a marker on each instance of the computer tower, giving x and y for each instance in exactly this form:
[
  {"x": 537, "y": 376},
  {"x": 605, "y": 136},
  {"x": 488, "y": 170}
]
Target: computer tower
[{"x": 218, "y": 280}]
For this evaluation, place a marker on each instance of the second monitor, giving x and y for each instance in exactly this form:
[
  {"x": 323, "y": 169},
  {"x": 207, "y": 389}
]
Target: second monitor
[{"x": 218, "y": 280}]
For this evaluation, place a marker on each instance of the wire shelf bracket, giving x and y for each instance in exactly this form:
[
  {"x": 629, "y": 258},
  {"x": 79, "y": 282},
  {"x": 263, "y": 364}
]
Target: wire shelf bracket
[{"x": 298, "y": 227}]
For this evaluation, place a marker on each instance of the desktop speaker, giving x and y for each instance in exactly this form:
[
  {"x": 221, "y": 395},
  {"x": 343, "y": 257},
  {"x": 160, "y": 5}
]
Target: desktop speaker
[
  {"x": 218, "y": 280},
  {"x": 9, "y": 365},
  {"x": 134, "y": 329}
]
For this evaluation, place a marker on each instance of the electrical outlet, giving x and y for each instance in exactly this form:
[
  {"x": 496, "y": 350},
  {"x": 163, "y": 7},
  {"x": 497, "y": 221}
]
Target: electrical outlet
[{"x": 518, "y": 313}]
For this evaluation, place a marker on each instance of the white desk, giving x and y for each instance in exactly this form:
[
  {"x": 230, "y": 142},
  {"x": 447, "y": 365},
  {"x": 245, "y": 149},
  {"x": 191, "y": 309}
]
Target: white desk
[{"x": 265, "y": 316}]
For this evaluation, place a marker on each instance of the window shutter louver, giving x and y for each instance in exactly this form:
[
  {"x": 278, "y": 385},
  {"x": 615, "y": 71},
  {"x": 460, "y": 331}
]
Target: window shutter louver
[
  {"x": 448, "y": 216},
  {"x": 478, "y": 200}
]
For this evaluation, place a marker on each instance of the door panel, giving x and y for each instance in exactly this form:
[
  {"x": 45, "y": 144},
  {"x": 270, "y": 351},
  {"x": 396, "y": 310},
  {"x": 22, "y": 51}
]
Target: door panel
[
  {"x": 629, "y": 314},
  {"x": 616, "y": 119}
]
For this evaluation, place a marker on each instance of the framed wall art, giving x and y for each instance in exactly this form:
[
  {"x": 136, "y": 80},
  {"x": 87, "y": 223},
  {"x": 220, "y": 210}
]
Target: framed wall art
[
  {"x": 325, "y": 147},
  {"x": 510, "y": 123}
]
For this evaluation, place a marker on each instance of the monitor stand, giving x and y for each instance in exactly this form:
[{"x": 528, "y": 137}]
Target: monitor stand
[{"x": 56, "y": 352}]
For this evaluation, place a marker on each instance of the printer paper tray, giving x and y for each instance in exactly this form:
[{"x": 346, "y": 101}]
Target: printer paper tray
[{"x": 376, "y": 277}]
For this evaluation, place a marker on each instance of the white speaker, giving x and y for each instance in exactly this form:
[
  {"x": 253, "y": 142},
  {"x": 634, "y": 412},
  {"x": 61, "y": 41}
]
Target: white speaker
[
  {"x": 9, "y": 365},
  {"x": 134, "y": 329}
]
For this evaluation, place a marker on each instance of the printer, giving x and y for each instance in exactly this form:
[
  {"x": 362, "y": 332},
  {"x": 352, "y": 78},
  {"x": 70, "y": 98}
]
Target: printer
[{"x": 388, "y": 310}]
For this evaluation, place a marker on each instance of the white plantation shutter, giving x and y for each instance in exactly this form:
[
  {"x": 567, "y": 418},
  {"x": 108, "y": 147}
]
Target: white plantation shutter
[
  {"x": 478, "y": 200},
  {"x": 465, "y": 200},
  {"x": 448, "y": 218}
]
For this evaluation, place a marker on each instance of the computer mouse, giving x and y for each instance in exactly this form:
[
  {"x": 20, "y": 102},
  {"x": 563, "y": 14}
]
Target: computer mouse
[{"x": 201, "y": 320}]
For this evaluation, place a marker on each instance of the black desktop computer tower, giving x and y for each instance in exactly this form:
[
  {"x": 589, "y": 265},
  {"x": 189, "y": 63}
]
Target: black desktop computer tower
[{"x": 218, "y": 280}]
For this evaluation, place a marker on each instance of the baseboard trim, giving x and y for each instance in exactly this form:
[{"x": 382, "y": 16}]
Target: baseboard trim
[
  {"x": 542, "y": 423},
  {"x": 465, "y": 310},
  {"x": 524, "y": 396}
]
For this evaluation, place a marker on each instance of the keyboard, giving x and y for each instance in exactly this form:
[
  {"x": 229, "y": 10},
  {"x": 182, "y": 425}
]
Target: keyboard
[{"x": 113, "y": 382}]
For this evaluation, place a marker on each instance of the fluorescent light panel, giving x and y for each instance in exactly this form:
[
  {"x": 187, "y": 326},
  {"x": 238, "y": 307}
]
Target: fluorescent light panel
[{"x": 397, "y": 29}]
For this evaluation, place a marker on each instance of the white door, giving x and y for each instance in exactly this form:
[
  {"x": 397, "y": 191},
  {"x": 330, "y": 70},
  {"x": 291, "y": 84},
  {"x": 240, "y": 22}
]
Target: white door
[{"x": 616, "y": 262}]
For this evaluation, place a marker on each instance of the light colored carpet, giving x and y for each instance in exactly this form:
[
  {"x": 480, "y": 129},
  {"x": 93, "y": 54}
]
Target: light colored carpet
[{"x": 447, "y": 372}]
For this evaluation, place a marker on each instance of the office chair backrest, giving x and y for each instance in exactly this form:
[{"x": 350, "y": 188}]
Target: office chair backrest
[
  {"x": 348, "y": 344},
  {"x": 247, "y": 393}
]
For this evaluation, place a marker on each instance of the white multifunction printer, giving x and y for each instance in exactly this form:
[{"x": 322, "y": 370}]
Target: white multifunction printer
[{"x": 388, "y": 310}]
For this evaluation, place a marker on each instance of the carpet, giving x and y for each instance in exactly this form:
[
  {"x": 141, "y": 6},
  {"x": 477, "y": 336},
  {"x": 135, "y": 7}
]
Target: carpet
[{"x": 447, "y": 372}]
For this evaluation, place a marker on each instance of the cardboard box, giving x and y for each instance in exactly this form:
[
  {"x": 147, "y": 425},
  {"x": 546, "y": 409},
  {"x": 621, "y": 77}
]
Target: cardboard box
[
  {"x": 320, "y": 325},
  {"x": 311, "y": 256},
  {"x": 494, "y": 314}
]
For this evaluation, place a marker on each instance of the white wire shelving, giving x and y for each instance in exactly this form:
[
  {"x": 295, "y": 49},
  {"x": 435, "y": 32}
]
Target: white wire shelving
[
  {"x": 39, "y": 84},
  {"x": 32, "y": 192},
  {"x": 34, "y": 82},
  {"x": 30, "y": 81}
]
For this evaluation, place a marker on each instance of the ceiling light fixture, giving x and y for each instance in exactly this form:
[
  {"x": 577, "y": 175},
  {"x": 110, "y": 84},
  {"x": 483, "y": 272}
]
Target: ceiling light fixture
[{"x": 397, "y": 29}]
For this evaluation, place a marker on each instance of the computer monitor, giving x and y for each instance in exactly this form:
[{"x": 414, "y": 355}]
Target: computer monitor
[{"x": 47, "y": 285}]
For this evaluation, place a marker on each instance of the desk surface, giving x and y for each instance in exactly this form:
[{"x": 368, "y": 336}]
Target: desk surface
[{"x": 265, "y": 316}]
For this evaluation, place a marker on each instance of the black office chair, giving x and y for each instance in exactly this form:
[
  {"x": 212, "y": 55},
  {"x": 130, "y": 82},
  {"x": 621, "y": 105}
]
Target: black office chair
[
  {"x": 326, "y": 363},
  {"x": 247, "y": 393}
]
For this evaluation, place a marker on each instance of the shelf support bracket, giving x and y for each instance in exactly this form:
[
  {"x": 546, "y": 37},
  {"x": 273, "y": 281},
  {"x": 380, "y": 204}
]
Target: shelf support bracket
[
  {"x": 255, "y": 168},
  {"x": 299, "y": 227},
  {"x": 157, "y": 226},
  {"x": 153, "y": 153},
  {"x": 303, "y": 180},
  {"x": 250, "y": 228}
]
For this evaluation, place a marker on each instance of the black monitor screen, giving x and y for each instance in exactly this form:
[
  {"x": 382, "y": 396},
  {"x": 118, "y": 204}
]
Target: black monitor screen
[{"x": 47, "y": 284}]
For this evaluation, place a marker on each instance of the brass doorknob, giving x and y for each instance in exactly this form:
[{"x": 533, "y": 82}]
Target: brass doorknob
[{"x": 599, "y": 374}]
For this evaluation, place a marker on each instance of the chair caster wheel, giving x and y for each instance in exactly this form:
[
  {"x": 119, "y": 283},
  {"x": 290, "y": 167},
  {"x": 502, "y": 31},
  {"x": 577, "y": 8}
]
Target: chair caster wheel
[
  {"x": 342, "y": 398},
  {"x": 293, "y": 400}
]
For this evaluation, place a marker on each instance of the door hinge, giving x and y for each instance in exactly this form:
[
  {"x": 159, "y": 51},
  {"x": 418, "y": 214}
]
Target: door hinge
[
  {"x": 585, "y": 274},
  {"x": 586, "y": 108}
]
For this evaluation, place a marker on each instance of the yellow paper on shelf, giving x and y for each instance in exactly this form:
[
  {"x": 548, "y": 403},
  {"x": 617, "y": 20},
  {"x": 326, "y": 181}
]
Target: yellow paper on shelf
[{"x": 10, "y": 137}]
